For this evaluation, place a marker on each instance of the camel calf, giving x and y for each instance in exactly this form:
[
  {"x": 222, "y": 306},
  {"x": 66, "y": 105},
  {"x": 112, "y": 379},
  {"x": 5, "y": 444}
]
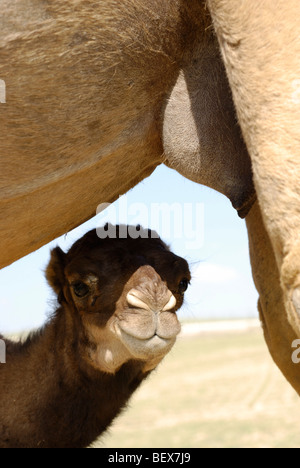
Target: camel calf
[{"x": 116, "y": 321}]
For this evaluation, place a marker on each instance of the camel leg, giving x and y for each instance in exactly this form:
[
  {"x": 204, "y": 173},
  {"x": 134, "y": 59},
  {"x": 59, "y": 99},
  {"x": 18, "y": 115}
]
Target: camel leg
[
  {"x": 261, "y": 50},
  {"x": 279, "y": 334}
]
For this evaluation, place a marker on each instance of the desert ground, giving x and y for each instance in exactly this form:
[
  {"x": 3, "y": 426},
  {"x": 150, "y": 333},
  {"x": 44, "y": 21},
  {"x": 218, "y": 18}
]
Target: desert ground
[{"x": 217, "y": 388}]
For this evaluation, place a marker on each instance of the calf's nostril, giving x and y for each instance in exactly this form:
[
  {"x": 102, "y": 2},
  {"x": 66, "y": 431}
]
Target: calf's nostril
[
  {"x": 170, "y": 304},
  {"x": 135, "y": 300}
]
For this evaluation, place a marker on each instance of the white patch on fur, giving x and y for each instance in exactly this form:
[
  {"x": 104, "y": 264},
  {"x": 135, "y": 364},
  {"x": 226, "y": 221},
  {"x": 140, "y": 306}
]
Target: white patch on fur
[{"x": 108, "y": 356}]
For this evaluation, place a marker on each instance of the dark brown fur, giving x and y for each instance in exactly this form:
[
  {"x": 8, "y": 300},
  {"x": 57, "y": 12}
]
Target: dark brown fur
[{"x": 54, "y": 392}]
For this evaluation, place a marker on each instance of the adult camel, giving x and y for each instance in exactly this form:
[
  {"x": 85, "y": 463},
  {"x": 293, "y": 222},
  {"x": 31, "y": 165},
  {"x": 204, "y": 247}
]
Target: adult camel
[
  {"x": 99, "y": 94},
  {"x": 260, "y": 46}
]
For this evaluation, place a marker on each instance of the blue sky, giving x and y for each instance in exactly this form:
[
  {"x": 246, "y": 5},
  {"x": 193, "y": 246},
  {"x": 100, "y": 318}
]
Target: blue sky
[{"x": 198, "y": 223}]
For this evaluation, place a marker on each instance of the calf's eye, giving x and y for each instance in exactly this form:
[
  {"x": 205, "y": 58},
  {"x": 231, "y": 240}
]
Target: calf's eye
[
  {"x": 183, "y": 285},
  {"x": 80, "y": 289}
]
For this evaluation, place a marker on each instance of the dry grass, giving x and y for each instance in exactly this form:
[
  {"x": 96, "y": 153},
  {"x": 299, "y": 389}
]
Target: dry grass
[{"x": 216, "y": 390}]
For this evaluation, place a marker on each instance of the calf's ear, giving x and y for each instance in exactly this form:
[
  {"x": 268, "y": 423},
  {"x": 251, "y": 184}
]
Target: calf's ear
[{"x": 55, "y": 271}]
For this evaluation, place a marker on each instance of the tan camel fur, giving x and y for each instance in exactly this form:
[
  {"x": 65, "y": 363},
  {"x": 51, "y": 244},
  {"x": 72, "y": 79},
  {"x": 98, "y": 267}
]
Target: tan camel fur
[
  {"x": 278, "y": 332},
  {"x": 87, "y": 85},
  {"x": 260, "y": 44}
]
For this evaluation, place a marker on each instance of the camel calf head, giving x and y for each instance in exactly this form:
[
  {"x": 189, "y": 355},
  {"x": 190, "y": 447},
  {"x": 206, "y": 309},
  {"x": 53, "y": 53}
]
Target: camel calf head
[
  {"x": 116, "y": 321},
  {"x": 125, "y": 293}
]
